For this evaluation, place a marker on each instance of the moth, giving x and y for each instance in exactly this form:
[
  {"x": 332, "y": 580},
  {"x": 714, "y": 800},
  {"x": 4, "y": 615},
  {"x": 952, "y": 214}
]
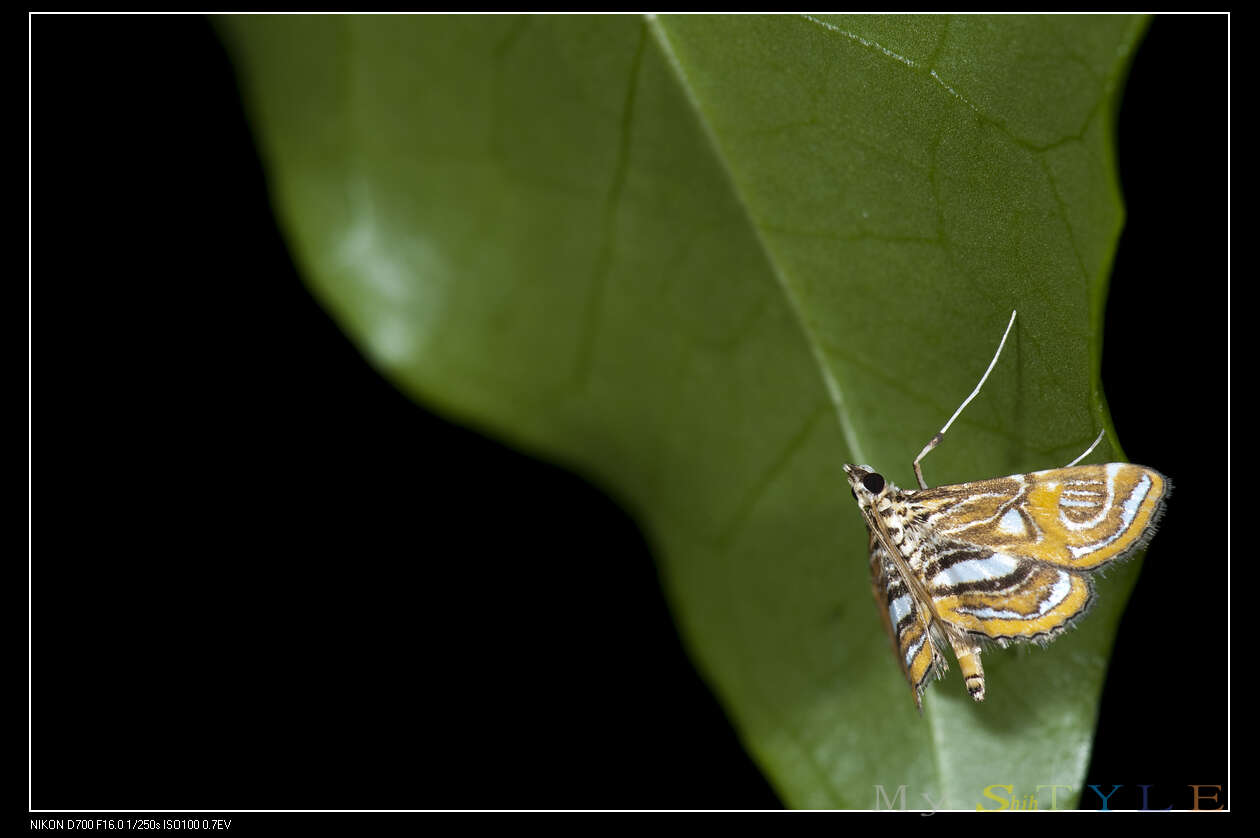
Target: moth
[{"x": 1000, "y": 561}]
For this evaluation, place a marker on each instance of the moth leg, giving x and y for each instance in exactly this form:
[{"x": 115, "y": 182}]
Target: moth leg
[
  {"x": 936, "y": 440},
  {"x": 932, "y": 443},
  {"x": 968, "y": 655}
]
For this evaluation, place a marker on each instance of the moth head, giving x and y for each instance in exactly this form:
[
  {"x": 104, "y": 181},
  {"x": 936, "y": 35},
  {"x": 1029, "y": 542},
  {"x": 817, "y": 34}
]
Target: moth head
[{"x": 867, "y": 484}]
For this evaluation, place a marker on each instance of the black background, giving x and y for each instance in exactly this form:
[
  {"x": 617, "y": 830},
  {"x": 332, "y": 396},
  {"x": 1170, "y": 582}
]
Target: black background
[{"x": 263, "y": 578}]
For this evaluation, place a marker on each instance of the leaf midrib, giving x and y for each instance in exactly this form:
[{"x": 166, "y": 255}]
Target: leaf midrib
[{"x": 834, "y": 393}]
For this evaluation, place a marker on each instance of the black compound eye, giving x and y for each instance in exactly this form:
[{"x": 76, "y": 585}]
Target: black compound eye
[{"x": 874, "y": 483}]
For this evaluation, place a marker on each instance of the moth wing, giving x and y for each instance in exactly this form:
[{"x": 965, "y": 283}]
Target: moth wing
[
  {"x": 1004, "y": 597},
  {"x": 1086, "y": 516},
  {"x": 1077, "y": 518},
  {"x": 905, "y": 623}
]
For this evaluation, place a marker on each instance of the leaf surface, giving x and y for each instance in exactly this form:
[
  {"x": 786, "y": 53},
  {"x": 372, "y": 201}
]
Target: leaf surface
[{"x": 705, "y": 261}]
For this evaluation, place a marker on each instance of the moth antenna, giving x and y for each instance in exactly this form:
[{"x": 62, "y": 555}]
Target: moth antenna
[
  {"x": 936, "y": 440},
  {"x": 1088, "y": 450}
]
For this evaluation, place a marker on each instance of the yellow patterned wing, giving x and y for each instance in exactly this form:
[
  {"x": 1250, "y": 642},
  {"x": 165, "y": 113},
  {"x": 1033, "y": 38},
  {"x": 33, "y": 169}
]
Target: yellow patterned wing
[
  {"x": 906, "y": 623},
  {"x": 1011, "y": 557},
  {"x": 1077, "y": 518},
  {"x": 1002, "y": 597}
]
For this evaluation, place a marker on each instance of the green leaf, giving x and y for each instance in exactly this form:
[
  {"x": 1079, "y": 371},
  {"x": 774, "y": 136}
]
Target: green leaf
[{"x": 705, "y": 261}]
